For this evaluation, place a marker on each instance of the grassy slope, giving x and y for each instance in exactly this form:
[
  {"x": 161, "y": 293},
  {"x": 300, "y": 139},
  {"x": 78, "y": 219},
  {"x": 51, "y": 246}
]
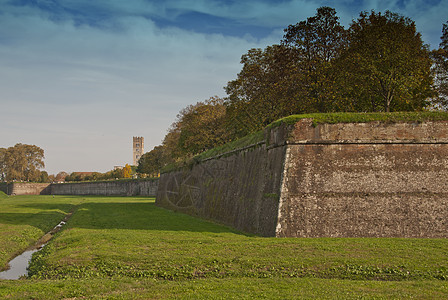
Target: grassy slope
[{"x": 129, "y": 248}]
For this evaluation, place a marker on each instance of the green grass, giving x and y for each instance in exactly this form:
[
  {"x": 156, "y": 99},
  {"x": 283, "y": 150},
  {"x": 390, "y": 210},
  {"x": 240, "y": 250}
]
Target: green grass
[
  {"x": 23, "y": 220},
  {"x": 241, "y": 288},
  {"x": 125, "y": 248},
  {"x": 393, "y": 117}
]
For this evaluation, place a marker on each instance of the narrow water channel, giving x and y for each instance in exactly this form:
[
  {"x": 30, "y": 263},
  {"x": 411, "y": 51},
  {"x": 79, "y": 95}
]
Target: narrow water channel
[{"x": 18, "y": 266}]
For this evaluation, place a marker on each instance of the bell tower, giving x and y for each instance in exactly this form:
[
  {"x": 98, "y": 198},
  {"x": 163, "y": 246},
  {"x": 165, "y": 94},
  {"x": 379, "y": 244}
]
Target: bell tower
[{"x": 137, "y": 148}]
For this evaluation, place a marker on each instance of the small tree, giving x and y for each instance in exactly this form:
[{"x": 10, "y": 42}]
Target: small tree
[
  {"x": 153, "y": 161},
  {"x": 127, "y": 171},
  {"x": 43, "y": 177}
]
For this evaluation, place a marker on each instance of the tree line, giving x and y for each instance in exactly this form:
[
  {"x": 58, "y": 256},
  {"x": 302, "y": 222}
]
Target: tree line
[
  {"x": 378, "y": 64},
  {"x": 118, "y": 173}
]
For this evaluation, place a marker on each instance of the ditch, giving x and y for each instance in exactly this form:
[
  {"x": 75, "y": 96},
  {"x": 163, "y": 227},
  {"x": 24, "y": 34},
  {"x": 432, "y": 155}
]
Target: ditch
[{"x": 18, "y": 266}]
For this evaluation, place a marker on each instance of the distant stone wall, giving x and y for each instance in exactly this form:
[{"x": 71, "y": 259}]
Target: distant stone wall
[
  {"x": 4, "y": 187},
  {"x": 106, "y": 188},
  {"x": 333, "y": 180},
  {"x": 27, "y": 188}
]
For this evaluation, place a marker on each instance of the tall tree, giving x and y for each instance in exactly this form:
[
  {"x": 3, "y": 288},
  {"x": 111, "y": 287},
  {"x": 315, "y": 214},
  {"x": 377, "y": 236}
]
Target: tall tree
[
  {"x": 297, "y": 76},
  {"x": 265, "y": 90},
  {"x": 440, "y": 69},
  {"x": 318, "y": 41},
  {"x": 22, "y": 162},
  {"x": 171, "y": 142},
  {"x": 387, "y": 63}
]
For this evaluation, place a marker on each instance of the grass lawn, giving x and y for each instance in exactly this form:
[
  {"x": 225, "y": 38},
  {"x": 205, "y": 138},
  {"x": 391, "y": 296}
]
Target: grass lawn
[{"x": 126, "y": 248}]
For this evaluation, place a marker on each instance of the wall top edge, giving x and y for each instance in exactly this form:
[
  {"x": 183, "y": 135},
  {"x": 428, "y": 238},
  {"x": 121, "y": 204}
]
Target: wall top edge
[{"x": 305, "y": 132}]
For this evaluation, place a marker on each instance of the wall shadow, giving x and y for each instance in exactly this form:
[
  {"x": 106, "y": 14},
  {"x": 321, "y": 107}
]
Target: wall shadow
[
  {"x": 44, "y": 220},
  {"x": 65, "y": 207},
  {"x": 139, "y": 216}
]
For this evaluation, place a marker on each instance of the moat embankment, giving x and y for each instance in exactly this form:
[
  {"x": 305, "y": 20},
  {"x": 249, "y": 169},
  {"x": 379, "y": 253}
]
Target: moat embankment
[{"x": 18, "y": 266}]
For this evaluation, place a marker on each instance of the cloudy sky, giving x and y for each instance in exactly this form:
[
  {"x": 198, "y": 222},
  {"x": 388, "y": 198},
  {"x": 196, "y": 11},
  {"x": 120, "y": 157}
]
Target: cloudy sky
[{"x": 80, "y": 78}]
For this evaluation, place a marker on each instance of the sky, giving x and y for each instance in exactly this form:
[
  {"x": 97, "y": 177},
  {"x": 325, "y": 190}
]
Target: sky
[{"x": 80, "y": 78}]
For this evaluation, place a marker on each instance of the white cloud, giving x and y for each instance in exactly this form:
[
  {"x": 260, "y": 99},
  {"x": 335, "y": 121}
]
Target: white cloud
[{"x": 81, "y": 92}]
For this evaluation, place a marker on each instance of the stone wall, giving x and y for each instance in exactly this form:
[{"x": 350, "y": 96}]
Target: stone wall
[
  {"x": 104, "y": 188},
  {"x": 365, "y": 180},
  {"x": 332, "y": 180},
  {"x": 107, "y": 188},
  {"x": 27, "y": 188},
  {"x": 240, "y": 190}
]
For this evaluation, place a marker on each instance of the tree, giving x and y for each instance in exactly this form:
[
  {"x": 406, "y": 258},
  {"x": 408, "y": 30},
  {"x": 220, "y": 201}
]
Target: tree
[
  {"x": 297, "y": 76},
  {"x": 440, "y": 69},
  {"x": 319, "y": 41},
  {"x": 203, "y": 126},
  {"x": 61, "y": 176},
  {"x": 127, "y": 171},
  {"x": 43, "y": 177},
  {"x": 171, "y": 141},
  {"x": 264, "y": 90},
  {"x": 22, "y": 162},
  {"x": 197, "y": 128},
  {"x": 387, "y": 64},
  {"x": 2, "y": 164},
  {"x": 153, "y": 161}
]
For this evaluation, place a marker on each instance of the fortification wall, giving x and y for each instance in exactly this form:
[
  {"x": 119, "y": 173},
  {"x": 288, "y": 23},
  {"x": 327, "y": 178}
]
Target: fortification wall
[
  {"x": 332, "y": 180},
  {"x": 240, "y": 190},
  {"x": 107, "y": 188},
  {"x": 365, "y": 180},
  {"x": 28, "y": 188}
]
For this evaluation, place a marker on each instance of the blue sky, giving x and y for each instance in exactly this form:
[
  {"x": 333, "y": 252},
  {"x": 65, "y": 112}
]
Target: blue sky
[{"x": 80, "y": 78}]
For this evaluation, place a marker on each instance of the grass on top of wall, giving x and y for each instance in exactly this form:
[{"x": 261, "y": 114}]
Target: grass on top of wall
[
  {"x": 318, "y": 118},
  {"x": 393, "y": 117}
]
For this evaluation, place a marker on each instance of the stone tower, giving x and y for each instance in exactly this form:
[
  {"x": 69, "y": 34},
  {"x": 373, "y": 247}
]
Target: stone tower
[{"x": 137, "y": 148}]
